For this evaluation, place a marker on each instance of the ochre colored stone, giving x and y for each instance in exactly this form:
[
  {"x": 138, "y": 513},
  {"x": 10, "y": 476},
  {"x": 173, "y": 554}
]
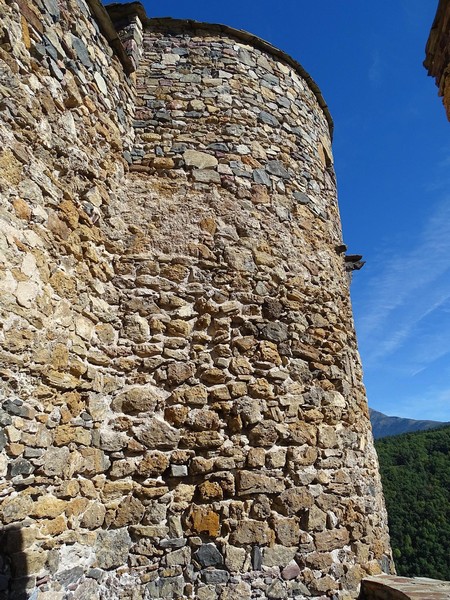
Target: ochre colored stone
[
  {"x": 76, "y": 507},
  {"x": 137, "y": 399},
  {"x": 10, "y": 167},
  {"x": 202, "y": 439},
  {"x": 178, "y": 328},
  {"x": 176, "y": 415},
  {"x": 130, "y": 512},
  {"x": 330, "y": 540},
  {"x": 22, "y": 209},
  {"x": 48, "y": 506},
  {"x": 153, "y": 463},
  {"x": 64, "y": 434},
  {"x": 163, "y": 163},
  {"x": 287, "y": 531},
  {"x": 205, "y": 520},
  {"x": 210, "y": 490},
  {"x": 178, "y": 373},
  {"x": 54, "y": 527}
]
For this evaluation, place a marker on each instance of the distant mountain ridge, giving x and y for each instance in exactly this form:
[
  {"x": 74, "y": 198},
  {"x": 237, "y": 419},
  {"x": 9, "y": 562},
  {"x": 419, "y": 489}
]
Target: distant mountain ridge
[{"x": 384, "y": 426}]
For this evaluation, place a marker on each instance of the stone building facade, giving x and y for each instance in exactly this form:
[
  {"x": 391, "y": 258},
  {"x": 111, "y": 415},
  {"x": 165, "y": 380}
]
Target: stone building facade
[
  {"x": 182, "y": 409},
  {"x": 437, "y": 61}
]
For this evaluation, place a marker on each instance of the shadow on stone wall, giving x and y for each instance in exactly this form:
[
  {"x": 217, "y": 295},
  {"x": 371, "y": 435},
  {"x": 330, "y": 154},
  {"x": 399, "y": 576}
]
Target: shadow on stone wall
[{"x": 14, "y": 578}]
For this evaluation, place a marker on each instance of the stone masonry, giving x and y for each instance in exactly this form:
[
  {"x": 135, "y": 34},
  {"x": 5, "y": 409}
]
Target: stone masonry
[
  {"x": 437, "y": 59},
  {"x": 182, "y": 409}
]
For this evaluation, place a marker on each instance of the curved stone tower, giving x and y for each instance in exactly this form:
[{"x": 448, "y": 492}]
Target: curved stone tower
[{"x": 183, "y": 412}]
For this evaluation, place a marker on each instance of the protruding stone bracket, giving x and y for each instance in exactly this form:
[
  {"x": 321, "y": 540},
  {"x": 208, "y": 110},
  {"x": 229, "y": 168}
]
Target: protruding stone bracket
[
  {"x": 390, "y": 587},
  {"x": 354, "y": 262}
]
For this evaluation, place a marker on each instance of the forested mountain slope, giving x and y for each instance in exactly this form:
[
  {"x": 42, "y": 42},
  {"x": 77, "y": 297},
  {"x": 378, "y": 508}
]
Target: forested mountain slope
[{"x": 415, "y": 471}]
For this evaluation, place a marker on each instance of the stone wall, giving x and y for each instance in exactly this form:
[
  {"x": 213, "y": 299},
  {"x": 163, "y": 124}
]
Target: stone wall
[
  {"x": 437, "y": 61},
  {"x": 66, "y": 106},
  {"x": 183, "y": 414},
  {"x": 385, "y": 587}
]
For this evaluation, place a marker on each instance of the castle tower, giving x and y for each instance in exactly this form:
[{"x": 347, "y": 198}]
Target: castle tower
[{"x": 184, "y": 414}]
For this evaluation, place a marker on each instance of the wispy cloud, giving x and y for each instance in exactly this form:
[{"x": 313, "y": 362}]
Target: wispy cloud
[
  {"x": 375, "y": 70},
  {"x": 436, "y": 400},
  {"x": 406, "y": 296},
  {"x": 445, "y": 162}
]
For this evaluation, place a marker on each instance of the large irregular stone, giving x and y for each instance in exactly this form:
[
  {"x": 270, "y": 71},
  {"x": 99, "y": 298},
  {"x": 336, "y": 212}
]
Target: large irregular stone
[
  {"x": 240, "y": 259},
  {"x": 153, "y": 463},
  {"x": 206, "y": 176},
  {"x": 205, "y": 520},
  {"x": 54, "y": 461},
  {"x": 112, "y": 548},
  {"x": 209, "y": 556},
  {"x": 275, "y": 332},
  {"x": 278, "y": 556},
  {"x": 287, "y": 531},
  {"x": 178, "y": 373},
  {"x": 216, "y": 576},
  {"x": 93, "y": 516},
  {"x": 15, "y": 508},
  {"x": 264, "y": 434},
  {"x": 316, "y": 519},
  {"x": 202, "y": 440},
  {"x": 48, "y": 506},
  {"x": 20, "y": 466},
  {"x": 95, "y": 460},
  {"x": 291, "y": 571},
  {"x": 201, "y": 419},
  {"x": 251, "y": 532},
  {"x": 180, "y": 557},
  {"x": 235, "y": 558},
  {"x": 293, "y": 501},
  {"x": 303, "y": 433},
  {"x": 275, "y": 167},
  {"x": 268, "y": 119},
  {"x": 199, "y": 160},
  {"x": 138, "y": 399},
  {"x": 327, "y": 541},
  {"x": 239, "y": 591},
  {"x": 130, "y": 512},
  {"x": 261, "y": 177},
  {"x": 256, "y": 482},
  {"x": 69, "y": 576},
  {"x": 276, "y": 591},
  {"x": 65, "y": 434},
  {"x": 167, "y": 587},
  {"x": 157, "y": 434},
  {"x": 81, "y": 51},
  {"x": 113, "y": 441}
]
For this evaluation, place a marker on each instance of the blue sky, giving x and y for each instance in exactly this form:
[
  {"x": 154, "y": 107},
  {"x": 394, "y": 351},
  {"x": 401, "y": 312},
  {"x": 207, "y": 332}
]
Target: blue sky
[{"x": 392, "y": 158}]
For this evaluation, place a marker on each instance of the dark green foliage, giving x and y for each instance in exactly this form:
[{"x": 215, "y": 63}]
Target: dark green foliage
[{"x": 415, "y": 471}]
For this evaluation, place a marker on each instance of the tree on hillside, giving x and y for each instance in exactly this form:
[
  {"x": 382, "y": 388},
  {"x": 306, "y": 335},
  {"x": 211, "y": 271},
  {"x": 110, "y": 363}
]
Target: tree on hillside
[{"x": 415, "y": 471}]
